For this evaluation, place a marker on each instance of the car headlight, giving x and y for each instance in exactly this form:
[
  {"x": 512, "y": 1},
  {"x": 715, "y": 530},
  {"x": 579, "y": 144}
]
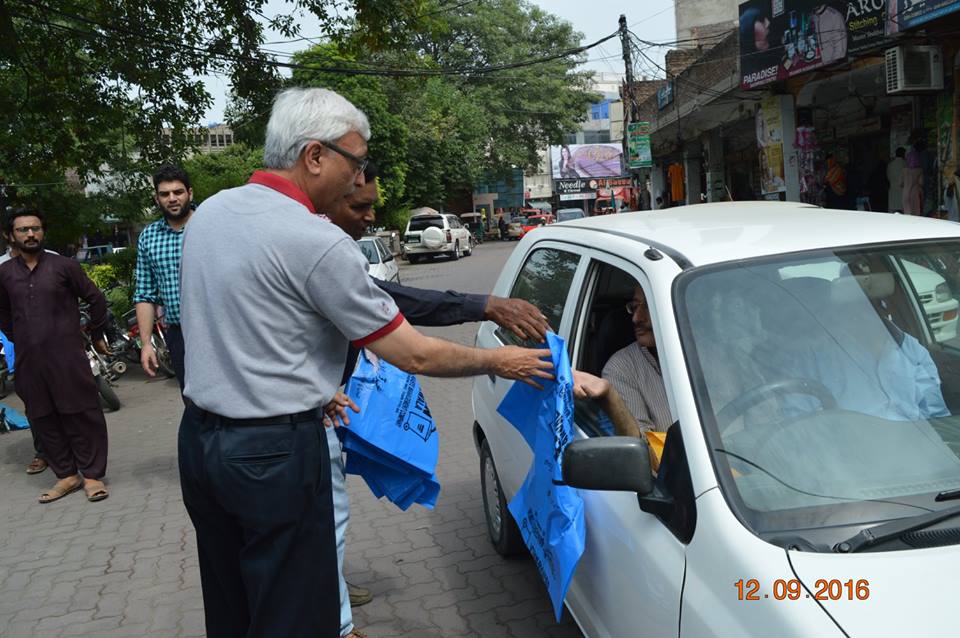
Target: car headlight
[{"x": 942, "y": 292}]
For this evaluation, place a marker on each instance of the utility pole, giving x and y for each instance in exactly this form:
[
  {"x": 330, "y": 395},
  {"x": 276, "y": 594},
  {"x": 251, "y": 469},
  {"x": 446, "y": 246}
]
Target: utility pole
[{"x": 628, "y": 65}]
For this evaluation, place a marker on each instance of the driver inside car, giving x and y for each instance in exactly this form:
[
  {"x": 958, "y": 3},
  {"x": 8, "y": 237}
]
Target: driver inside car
[{"x": 634, "y": 371}]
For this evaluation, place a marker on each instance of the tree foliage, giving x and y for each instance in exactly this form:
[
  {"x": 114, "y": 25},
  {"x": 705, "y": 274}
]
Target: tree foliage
[
  {"x": 212, "y": 172},
  {"x": 87, "y": 85}
]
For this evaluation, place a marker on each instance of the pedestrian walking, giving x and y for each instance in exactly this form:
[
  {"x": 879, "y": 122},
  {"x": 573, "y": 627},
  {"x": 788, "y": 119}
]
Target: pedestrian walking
[
  {"x": 159, "y": 250},
  {"x": 421, "y": 307},
  {"x": 895, "y": 180},
  {"x": 271, "y": 296},
  {"x": 39, "y": 312}
]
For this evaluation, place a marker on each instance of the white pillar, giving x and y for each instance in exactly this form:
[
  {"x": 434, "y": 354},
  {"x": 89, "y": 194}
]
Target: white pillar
[
  {"x": 691, "y": 171},
  {"x": 791, "y": 171},
  {"x": 716, "y": 182}
]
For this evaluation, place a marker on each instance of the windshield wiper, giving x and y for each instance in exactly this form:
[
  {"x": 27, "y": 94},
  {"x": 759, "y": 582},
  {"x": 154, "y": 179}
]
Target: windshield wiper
[
  {"x": 947, "y": 495},
  {"x": 894, "y": 529}
]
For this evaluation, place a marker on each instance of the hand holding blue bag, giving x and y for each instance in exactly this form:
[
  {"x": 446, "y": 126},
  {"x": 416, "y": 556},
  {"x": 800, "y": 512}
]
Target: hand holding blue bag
[
  {"x": 393, "y": 443},
  {"x": 550, "y": 516}
]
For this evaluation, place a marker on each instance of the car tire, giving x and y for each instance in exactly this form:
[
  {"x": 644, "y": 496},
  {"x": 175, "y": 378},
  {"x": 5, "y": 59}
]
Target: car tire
[
  {"x": 469, "y": 248},
  {"x": 413, "y": 259},
  {"x": 456, "y": 254},
  {"x": 501, "y": 528}
]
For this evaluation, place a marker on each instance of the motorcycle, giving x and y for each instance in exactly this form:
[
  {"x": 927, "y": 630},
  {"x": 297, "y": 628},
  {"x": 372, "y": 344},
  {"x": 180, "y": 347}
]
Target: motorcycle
[
  {"x": 106, "y": 369},
  {"x": 157, "y": 340}
]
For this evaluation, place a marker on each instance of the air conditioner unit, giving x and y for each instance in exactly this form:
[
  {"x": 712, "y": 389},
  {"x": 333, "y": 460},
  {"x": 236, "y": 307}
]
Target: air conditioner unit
[{"x": 911, "y": 69}]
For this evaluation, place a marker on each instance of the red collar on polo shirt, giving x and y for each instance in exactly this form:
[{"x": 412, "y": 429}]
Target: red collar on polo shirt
[{"x": 284, "y": 186}]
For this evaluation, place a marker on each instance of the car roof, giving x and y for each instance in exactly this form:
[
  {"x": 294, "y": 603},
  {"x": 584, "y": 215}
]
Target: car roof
[{"x": 725, "y": 231}]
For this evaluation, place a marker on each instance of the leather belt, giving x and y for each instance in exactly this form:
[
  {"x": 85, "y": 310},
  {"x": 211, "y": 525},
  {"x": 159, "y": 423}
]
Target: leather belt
[{"x": 284, "y": 419}]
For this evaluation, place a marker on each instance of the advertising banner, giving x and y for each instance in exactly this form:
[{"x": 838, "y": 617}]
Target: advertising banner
[
  {"x": 783, "y": 38},
  {"x": 638, "y": 145},
  {"x": 904, "y": 14},
  {"x": 586, "y": 160},
  {"x": 770, "y": 146}
]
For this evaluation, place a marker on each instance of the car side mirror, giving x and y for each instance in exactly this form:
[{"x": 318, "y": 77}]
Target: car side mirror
[
  {"x": 609, "y": 463},
  {"x": 389, "y": 257}
]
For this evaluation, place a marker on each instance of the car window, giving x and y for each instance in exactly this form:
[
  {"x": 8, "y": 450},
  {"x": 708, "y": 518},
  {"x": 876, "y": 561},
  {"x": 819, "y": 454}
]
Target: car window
[
  {"x": 545, "y": 282},
  {"x": 422, "y": 222},
  {"x": 369, "y": 250},
  {"x": 382, "y": 248},
  {"x": 608, "y": 348}
]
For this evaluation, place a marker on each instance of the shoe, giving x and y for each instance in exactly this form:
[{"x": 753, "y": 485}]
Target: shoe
[
  {"x": 36, "y": 466},
  {"x": 359, "y": 596},
  {"x": 356, "y": 633}
]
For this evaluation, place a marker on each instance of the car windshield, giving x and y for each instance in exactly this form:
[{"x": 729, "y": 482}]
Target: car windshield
[
  {"x": 827, "y": 383},
  {"x": 369, "y": 250},
  {"x": 425, "y": 221},
  {"x": 519, "y": 220},
  {"x": 566, "y": 215},
  {"x": 536, "y": 221}
]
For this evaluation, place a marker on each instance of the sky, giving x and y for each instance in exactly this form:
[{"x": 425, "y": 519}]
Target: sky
[{"x": 650, "y": 20}]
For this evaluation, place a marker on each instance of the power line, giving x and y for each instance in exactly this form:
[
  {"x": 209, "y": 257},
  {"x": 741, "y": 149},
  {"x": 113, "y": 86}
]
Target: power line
[
  {"x": 653, "y": 15},
  {"x": 395, "y": 72}
]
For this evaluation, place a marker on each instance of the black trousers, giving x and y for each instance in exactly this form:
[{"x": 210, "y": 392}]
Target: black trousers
[
  {"x": 260, "y": 499},
  {"x": 174, "y": 336},
  {"x": 73, "y": 442}
]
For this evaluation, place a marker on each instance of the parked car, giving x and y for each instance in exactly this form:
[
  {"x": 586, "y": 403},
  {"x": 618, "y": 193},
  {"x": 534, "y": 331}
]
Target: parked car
[
  {"x": 382, "y": 263},
  {"x": 476, "y": 224},
  {"x": 432, "y": 234},
  {"x": 515, "y": 228},
  {"x": 535, "y": 221},
  {"x": 811, "y": 463},
  {"x": 566, "y": 214}
]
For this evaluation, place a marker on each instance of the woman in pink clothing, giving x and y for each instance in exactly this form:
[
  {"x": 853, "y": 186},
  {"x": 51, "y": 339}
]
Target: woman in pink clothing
[{"x": 911, "y": 181}]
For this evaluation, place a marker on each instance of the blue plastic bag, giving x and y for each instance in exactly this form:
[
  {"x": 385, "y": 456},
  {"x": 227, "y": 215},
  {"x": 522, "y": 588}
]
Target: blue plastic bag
[
  {"x": 12, "y": 419},
  {"x": 8, "y": 352},
  {"x": 550, "y": 516},
  {"x": 393, "y": 442}
]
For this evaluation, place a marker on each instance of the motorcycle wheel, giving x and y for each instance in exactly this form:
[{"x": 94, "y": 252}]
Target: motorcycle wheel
[
  {"x": 164, "y": 362},
  {"x": 107, "y": 394}
]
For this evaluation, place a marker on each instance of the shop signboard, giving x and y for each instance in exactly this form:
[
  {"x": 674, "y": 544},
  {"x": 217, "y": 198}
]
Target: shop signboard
[
  {"x": 580, "y": 188},
  {"x": 638, "y": 145},
  {"x": 586, "y": 160},
  {"x": 665, "y": 95},
  {"x": 769, "y": 126},
  {"x": 905, "y": 14},
  {"x": 780, "y": 39}
]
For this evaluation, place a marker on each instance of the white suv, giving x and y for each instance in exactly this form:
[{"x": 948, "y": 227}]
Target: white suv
[
  {"x": 807, "y": 479},
  {"x": 436, "y": 234}
]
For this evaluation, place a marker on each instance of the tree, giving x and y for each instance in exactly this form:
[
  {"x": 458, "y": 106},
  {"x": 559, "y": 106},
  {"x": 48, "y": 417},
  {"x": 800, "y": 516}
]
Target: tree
[
  {"x": 90, "y": 85},
  {"x": 212, "y": 172}
]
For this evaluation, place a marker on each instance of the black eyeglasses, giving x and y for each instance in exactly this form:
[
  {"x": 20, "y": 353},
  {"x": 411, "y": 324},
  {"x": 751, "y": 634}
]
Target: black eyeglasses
[{"x": 359, "y": 162}]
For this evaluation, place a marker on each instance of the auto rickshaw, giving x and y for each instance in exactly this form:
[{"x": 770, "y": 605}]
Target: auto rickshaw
[{"x": 475, "y": 223}]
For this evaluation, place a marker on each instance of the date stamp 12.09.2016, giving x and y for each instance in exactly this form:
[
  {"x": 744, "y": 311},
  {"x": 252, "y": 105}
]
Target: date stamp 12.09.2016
[{"x": 793, "y": 589}]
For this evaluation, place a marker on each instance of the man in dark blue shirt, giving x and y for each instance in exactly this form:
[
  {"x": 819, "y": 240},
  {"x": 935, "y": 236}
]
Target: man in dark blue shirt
[{"x": 421, "y": 307}]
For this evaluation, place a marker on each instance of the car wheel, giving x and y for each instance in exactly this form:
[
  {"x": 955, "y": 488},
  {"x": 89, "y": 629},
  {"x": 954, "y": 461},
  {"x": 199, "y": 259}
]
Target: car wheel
[
  {"x": 469, "y": 247},
  {"x": 456, "y": 254},
  {"x": 502, "y": 529},
  {"x": 413, "y": 259}
]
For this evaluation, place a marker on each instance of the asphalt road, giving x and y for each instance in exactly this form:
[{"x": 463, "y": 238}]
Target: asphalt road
[{"x": 128, "y": 566}]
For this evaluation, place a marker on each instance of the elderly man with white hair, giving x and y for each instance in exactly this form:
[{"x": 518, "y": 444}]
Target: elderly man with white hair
[{"x": 271, "y": 296}]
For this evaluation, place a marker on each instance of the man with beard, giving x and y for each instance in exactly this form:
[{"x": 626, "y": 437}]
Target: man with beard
[
  {"x": 158, "y": 267},
  {"x": 40, "y": 314},
  {"x": 354, "y": 215}
]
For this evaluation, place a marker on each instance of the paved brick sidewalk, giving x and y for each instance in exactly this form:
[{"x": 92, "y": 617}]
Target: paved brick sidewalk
[{"x": 128, "y": 566}]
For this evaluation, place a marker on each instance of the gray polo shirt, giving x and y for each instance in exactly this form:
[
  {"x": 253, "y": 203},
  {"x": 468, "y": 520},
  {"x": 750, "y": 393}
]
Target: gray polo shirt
[{"x": 270, "y": 296}]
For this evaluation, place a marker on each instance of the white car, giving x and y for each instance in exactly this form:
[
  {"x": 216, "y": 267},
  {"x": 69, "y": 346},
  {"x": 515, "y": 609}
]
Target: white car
[
  {"x": 567, "y": 214},
  {"x": 436, "y": 234},
  {"x": 382, "y": 263},
  {"x": 807, "y": 483}
]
